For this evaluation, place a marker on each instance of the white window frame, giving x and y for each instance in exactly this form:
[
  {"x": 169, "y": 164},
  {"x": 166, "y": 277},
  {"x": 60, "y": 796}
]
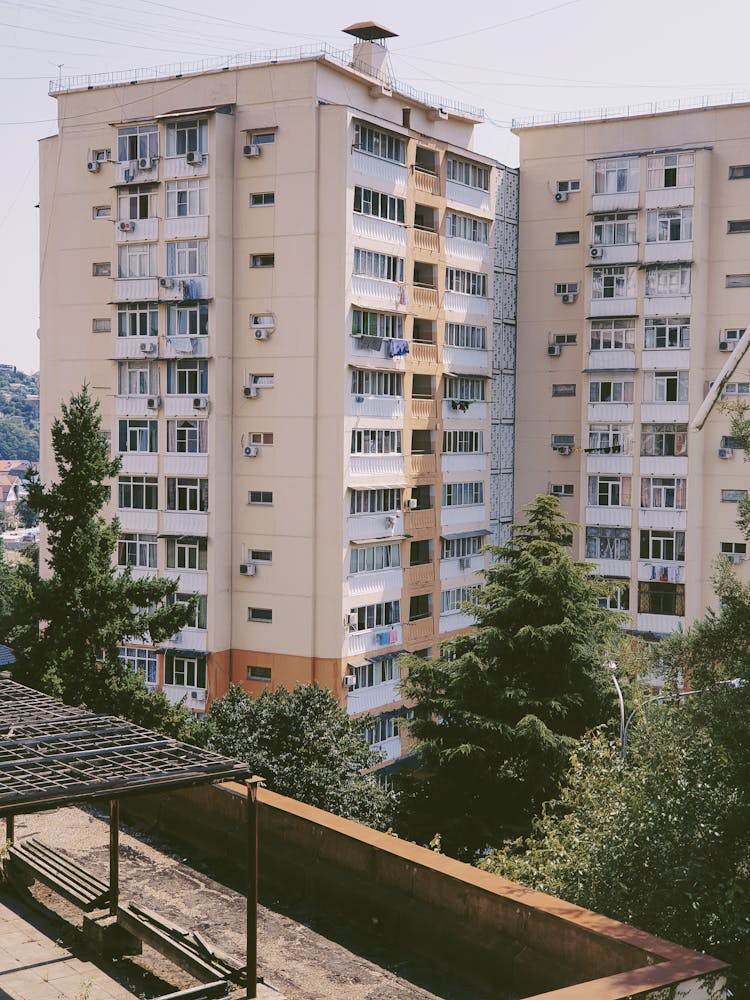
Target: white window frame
[
  {"x": 379, "y": 501},
  {"x": 187, "y": 436},
  {"x": 185, "y": 671},
  {"x": 661, "y": 281},
  {"x": 606, "y": 439},
  {"x": 669, "y": 225},
  {"x": 187, "y": 319},
  {"x": 137, "y": 377},
  {"x": 374, "y": 558},
  {"x": 187, "y": 258},
  {"x": 666, "y": 333},
  {"x": 472, "y": 175},
  {"x": 453, "y": 599},
  {"x": 376, "y": 142},
  {"x": 617, "y": 175},
  {"x": 466, "y": 282},
  {"x": 466, "y": 227},
  {"x": 138, "y": 493},
  {"x": 609, "y": 490},
  {"x": 615, "y": 229},
  {"x": 138, "y": 319},
  {"x": 383, "y": 266},
  {"x": 612, "y": 334},
  {"x": 368, "y": 323},
  {"x": 465, "y": 335},
  {"x": 379, "y": 205},
  {"x": 670, "y": 170},
  {"x": 663, "y": 492},
  {"x": 187, "y": 553},
  {"x": 611, "y": 390},
  {"x": 138, "y": 551},
  {"x": 140, "y": 661},
  {"x": 613, "y": 282},
  {"x": 187, "y": 198},
  {"x": 190, "y": 136},
  {"x": 370, "y": 382},
  {"x": 136, "y": 260},
  {"x": 375, "y": 442},
  {"x": 463, "y": 442},
  {"x": 469, "y": 494}
]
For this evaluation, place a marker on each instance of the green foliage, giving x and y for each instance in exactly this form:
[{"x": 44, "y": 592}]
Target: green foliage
[
  {"x": 496, "y": 722},
  {"x": 305, "y": 746},
  {"x": 67, "y": 625},
  {"x": 27, "y": 517},
  {"x": 19, "y": 415}
]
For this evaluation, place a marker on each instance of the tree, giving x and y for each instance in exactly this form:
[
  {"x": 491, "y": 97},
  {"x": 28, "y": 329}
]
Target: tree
[
  {"x": 498, "y": 714},
  {"x": 68, "y": 624},
  {"x": 25, "y": 514},
  {"x": 305, "y": 746}
]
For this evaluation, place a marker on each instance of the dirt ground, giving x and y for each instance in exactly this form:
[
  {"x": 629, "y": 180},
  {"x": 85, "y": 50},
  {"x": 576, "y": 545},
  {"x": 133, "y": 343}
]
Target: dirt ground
[{"x": 300, "y": 962}]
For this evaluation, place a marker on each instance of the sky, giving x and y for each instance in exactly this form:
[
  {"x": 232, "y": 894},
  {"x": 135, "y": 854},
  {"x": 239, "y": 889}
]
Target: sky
[{"x": 514, "y": 58}]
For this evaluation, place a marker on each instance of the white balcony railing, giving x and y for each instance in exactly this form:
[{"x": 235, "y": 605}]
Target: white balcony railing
[
  {"x": 662, "y": 517},
  {"x": 465, "y": 195},
  {"x": 363, "y": 526},
  {"x": 470, "y": 515},
  {"x": 390, "y": 748},
  {"x": 377, "y": 465},
  {"x": 392, "y": 176},
  {"x": 182, "y": 522},
  {"x": 374, "y": 289},
  {"x": 475, "y": 461},
  {"x": 659, "y": 624},
  {"x": 137, "y": 464},
  {"x": 368, "y": 698},
  {"x": 190, "y": 581},
  {"x": 191, "y": 227},
  {"x": 465, "y": 359},
  {"x": 389, "y": 407},
  {"x": 185, "y": 465},
  {"x": 178, "y": 166},
  {"x": 379, "y": 230},
  {"x": 466, "y": 305},
  {"x": 451, "y": 623},
  {"x": 138, "y": 521},
  {"x": 192, "y": 698},
  {"x": 135, "y": 289},
  {"x": 469, "y": 251},
  {"x": 374, "y": 639},
  {"x": 611, "y": 360},
  {"x": 618, "y": 517},
  {"x": 386, "y": 583},
  {"x": 137, "y": 230}
]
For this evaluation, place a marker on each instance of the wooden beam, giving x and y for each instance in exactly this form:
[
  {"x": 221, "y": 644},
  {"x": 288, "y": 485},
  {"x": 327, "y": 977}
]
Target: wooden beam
[{"x": 252, "y": 886}]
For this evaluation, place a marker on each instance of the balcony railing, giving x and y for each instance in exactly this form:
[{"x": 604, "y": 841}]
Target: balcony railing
[
  {"x": 419, "y": 576},
  {"x": 422, "y": 465},
  {"x": 425, "y": 180},
  {"x": 365, "y": 699},
  {"x": 419, "y": 520},
  {"x": 424, "y": 409},
  {"x": 426, "y": 239},
  {"x": 425, "y": 297},
  {"x": 423, "y": 628},
  {"x": 424, "y": 354}
]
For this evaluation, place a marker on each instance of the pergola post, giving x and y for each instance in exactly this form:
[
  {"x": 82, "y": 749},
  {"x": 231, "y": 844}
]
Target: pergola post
[
  {"x": 114, "y": 856},
  {"x": 10, "y": 829},
  {"x": 252, "y": 886}
]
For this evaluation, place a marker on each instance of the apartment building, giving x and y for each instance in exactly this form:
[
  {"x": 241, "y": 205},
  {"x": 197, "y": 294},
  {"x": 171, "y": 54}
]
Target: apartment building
[
  {"x": 291, "y": 284},
  {"x": 633, "y": 292}
]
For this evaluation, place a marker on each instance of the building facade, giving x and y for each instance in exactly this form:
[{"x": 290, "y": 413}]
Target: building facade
[
  {"x": 633, "y": 292},
  {"x": 279, "y": 279}
]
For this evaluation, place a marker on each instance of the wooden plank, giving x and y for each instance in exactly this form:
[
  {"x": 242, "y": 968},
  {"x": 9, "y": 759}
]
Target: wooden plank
[{"x": 37, "y": 849}]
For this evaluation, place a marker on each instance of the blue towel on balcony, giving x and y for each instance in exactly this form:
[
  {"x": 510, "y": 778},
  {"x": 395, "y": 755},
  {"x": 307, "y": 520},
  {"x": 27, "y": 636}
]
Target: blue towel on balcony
[{"x": 396, "y": 348}]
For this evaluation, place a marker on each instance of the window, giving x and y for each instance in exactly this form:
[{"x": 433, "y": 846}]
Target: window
[
  {"x": 668, "y": 225},
  {"x": 259, "y": 674},
  {"x": 565, "y": 238},
  {"x": 666, "y": 332},
  {"x": 137, "y": 493},
  {"x": 136, "y": 142},
  {"x": 470, "y": 174},
  {"x": 464, "y": 388},
  {"x": 101, "y": 269},
  {"x": 382, "y": 728},
  {"x": 262, "y": 199},
  {"x": 101, "y": 155},
  {"x": 367, "y": 382},
  {"x": 101, "y": 211},
  {"x": 374, "y": 324},
  {"x": 186, "y": 552},
  {"x": 365, "y": 442},
  {"x": 260, "y": 555},
  {"x": 663, "y": 439},
  {"x": 371, "y": 558},
  {"x": 565, "y": 339},
  {"x": 568, "y": 187},
  {"x": 665, "y": 387},
  {"x": 261, "y": 438},
  {"x": 187, "y": 198},
  {"x": 735, "y": 552},
  {"x": 265, "y": 381},
  {"x": 463, "y": 494},
  {"x": 732, "y": 280},
  {"x": 739, "y": 172},
  {"x": 661, "y": 492},
  {"x": 466, "y": 282},
  {"x": 610, "y": 391},
  {"x": 615, "y": 176},
  {"x": 461, "y": 548},
  {"x": 187, "y": 320},
  {"x": 619, "y": 598},
  {"x": 615, "y": 229},
  {"x": 375, "y": 501},
  {"x": 661, "y": 598},
  {"x": 736, "y": 389},
  {"x": 738, "y": 226},
  {"x": 138, "y": 319},
  {"x": 380, "y": 672},
  {"x": 464, "y": 227},
  {"x": 566, "y": 288},
  {"x": 465, "y": 335},
  {"x": 733, "y": 496},
  {"x": 728, "y": 442},
  {"x": 137, "y": 550},
  {"x": 187, "y": 437},
  {"x": 138, "y": 435},
  {"x": 187, "y": 494},
  {"x": 378, "y": 143},
  {"x": 561, "y": 489},
  {"x": 452, "y": 601},
  {"x": 136, "y": 202},
  {"x": 671, "y": 170},
  {"x": 663, "y": 546},
  {"x": 262, "y": 260},
  {"x": 375, "y": 616},
  {"x": 607, "y": 543},
  {"x": 609, "y": 491},
  {"x": 564, "y": 389},
  {"x": 613, "y": 282},
  {"x": 187, "y": 137},
  {"x": 103, "y": 325},
  {"x": 668, "y": 280},
  {"x": 612, "y": 334},
  {"x": 262, "y": 138},
  {"x": 136, "y": 260},
  {"x": 378, "y": 265},
  {"x": 200, "y": 617},
  {"x": 185, "y": 671},
  {"x": 187, "y": 378},
  {"x": 560, "y": 441},
  {"x": 187, "y": 258},
  {"x": 140, "y": 661},
  {"x": 260, "y": 497},
  {"x": 730, "y": 338},
  {"x": 263, "y": 321},
  {"x": 606, "y": 439},
  {"x": 382, "y": 206},
  {"x": 463, "y": 442}
]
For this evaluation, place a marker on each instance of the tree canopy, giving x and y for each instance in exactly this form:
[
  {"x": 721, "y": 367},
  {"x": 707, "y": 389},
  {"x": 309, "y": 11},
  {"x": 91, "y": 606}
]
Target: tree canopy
[
  {"x": 498, "y": 714},
  {"x": 305, "y": 746}
]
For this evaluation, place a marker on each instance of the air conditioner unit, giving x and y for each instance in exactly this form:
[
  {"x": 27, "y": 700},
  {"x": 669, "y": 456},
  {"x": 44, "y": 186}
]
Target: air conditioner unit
[
  {"x": 250, "y": 391},
  {"x": 464, "y": 562},
  {"x": 198, "y": 696},
  {"x": 561, "y": 196},
  {"x": 350, "y": 680},
  {"x": 723, "y": 345},
  {"x": 733, "y": 557},
  {"x": 126, "y": 226},
  {"x": 569, "y": 298},
  {"x": 553, "y": 350},
  {"x": 200, "y": 403},
  {"x": 166, "y": 282},
  {"x": 565, "y": 449},
  {"x": 251, "y": 150},
  {"x": 262, "y": 333},
  {"x": 390, "y": 520},
  {"x": 146, "y": 163},
  {"x": 352, "y": 620},
  {"x": 93, "y": 166},
  {"x": 596, "y": 252},
  {"x": 251, "y": 451},
  {"x": 412, "y": 504},
  {"x": 726, "y": 452},
  {"x": 147, "y": 347},
  {"x": 153, "y": 402},
  {"x": 195, "y": 158},
  {"x": 248, "y": 568}
]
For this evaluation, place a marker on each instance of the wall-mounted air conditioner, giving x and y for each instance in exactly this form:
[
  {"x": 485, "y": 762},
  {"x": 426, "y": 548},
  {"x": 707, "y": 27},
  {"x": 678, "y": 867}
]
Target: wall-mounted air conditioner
[
  {"x": 252, "y": 149},
  {"x": 561, "y": 196},
  {"x": 248, "y": 568},
  {"x": 200, "y": 403},
  {"x": 194, "y": 158},
  {"x": 596, "y": 252},
  {"x": 569, "y": 298},
  {"x": 147, "y": 347},
  {"x": 724, "y": 345},
  {"x": 349, "y": 681},
  {"x": 126, "y": 226},
  {"x": 412, "y": 504},
  {"x": 250, "y": 391},
  {"x": 153, "y": 402},
  {"x": 93, "y": 166},
  {"x": 263, "y": 333},
  {"x": 166, "y": 282},
  {"x": 726, "y": 452},
  {"x": 250, "y": 451},
  {"x": 146, "y": 163},
  {"x": 553, "y": 350}
]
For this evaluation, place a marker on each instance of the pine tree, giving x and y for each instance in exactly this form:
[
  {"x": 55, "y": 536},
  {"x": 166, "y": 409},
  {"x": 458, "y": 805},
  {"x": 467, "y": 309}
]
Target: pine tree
[
  {"x": 69, "y": 622},
  {"x": 498, "y": 714}
]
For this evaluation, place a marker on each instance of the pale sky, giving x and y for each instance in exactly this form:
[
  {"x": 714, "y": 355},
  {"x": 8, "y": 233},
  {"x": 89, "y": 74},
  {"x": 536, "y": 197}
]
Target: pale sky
[{"x": 515, "y": 58}]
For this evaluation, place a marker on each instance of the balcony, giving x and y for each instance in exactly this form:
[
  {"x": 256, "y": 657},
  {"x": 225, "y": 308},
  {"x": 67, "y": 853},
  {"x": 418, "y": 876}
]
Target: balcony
[
  {"x": 426, "y": 239},
  {"x": 130, "y": 347},
  {"x": 132, "y": 406},
  {"x": 664, "y": 413},
  {"x": 390, "y": 748},
  {"x": 421, "y": 465},
  {"x": 608, "y": 464},
  {"x": 135, "y": 290},
  {"x": 185, "y": 347},
  {"x": 612, "y": 567},
  {"x": 178, "y": 166},
  {"x": 189, "y": 227},
  {"x": 189, "y": 581},
  {"x": 473, "y": 461},
  {"x": 377, "y": 465},
  {"x": 419, "y": 576},
  {"x": 424, "y": 353},
  {"x": 617, "y": 517},
  {"x": 362, "y": 527},
  {"x": 138, "y": 231},
  {"x": 619, "y": 201},
  {"x": 379, "y": 229},
  {"x": 619, "y": 360},
  {"x": 138, "y": 521},
  {"x": 185, "y": 465},
  {"x": 672, "y": 251},
  {"x": 424, "y": 410},
  {"x": 620, "y": 253},
  {"x": 423, "y": 628},
  {"x": 374, "y": 639},
  {"x": 675, "y": 358},
  {"x": 462, "y": 194},
  {"x": 194, "y": 639},
  {"x": 468, "y": 409},
  {"x": 369, "y": 348},
  {"x": 375, "y": 290},
  {"x": 366, "y": 699},
  {"x": 426, "y": 181},
  {"x": 425, "y": 297},
  {"x": 467, "y": 251},
  {"x": 674, "y": 197},
  {"x": 387, "y": 407},
  {"x": 183, "y": 522},
  {"x": 381, "y": 582},
  {"x": 664, "y": 465},
  {"x": 466, "y": 305},
  {"x": 471, "y": 514},
  {"x": 139, "y": 464},
  {"x": 659, "y": 624},
  {"x": 419, "y": 520},
  {"x": 462, "y": 566},
  {"x": 661, "y": 570},
  {"x": 182, "y": 406},
  {"x": 614, "y": 307},
  {"x": 602, "y": 413},
  {"x": 129, "y": 172},
  {"x": 456, "y": 621},
  {"x": 393, "y": 174},
  {"x": 465, "y": 359},
  {"x": 662, "y": 517},
  {"x": 667, "y": 305}
]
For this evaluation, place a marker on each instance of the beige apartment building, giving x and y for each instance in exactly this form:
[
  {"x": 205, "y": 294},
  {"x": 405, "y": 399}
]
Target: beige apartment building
[
  {"x": 291, "y": 284},
  {"x": 634, "y": 290}
]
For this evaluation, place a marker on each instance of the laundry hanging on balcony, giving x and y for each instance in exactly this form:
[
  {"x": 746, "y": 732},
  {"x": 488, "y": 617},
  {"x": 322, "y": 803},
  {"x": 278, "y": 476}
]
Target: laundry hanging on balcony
[{"x": 396, "y": 348}]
